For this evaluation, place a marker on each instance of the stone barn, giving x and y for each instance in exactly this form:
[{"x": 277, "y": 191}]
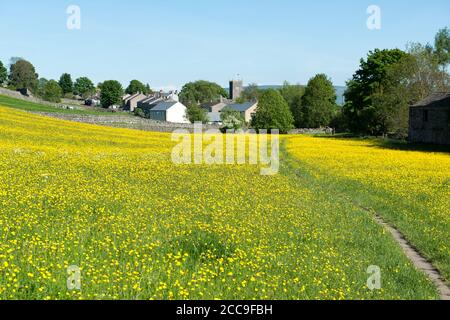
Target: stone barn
[{"x": 429, "y": 120}]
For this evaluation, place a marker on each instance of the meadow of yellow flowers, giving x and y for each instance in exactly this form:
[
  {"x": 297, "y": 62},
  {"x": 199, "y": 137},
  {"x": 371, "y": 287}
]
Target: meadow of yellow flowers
[
  {"x": 140, "y": 227},
  {"x": 408, "y": 188}
]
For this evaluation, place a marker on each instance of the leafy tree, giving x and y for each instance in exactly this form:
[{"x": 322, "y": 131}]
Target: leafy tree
[
  {"x": 290, "y": 92},
  {"x": 13, "y": 60},
  {"x": 359, "y": 109},
  {"x": 136, "y": 86},
  {"x": 293, "y": 95},
  {"x": 111, "y": 93},
  {"x": 250, "y": 93},
  {"x": 3, "y": 74},
  {"x": 199, "y": 92},
  {"x": 442, "y": 47},
  {"x": 40, "y": 91},
  {"x": 318, "y": 103},
  {"x": 52, "y": 91},
  {"x": 273, "y": 112},
  {"x": 84, "y": 86},
  {"x": 195, "y": 113},
  {"x": 66, "y": 83},
  {"x": 23, "y": 75},
  {"x": 410, "y": 80},
  {"x": 231, "y": 119}
]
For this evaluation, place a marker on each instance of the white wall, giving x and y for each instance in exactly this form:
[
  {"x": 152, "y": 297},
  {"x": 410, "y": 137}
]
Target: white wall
[{"x": 177, "y": 114}]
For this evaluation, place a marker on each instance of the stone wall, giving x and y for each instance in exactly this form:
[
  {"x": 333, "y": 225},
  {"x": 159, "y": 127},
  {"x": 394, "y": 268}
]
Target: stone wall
[
  {"x": 313, "y": 131},
  {"x": 133, "y": 122},
  {"x": 435, "y": 130},
  {"x": 126, "y": 121}
]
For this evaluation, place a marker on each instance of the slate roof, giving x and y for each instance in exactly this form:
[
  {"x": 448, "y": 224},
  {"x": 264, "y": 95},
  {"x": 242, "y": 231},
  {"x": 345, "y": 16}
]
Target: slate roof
[
  {"x": 241, "y": 107},
  {"x": 164, "y": 106},
  {"x": 436, "y": 100}
]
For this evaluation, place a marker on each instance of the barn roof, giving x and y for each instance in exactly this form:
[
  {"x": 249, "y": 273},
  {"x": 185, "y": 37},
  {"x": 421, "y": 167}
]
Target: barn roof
[{"x": 436, "y": 100}]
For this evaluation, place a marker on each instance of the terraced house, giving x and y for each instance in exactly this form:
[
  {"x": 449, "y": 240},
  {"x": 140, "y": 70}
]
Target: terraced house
[{"x": 159, "y": 106}]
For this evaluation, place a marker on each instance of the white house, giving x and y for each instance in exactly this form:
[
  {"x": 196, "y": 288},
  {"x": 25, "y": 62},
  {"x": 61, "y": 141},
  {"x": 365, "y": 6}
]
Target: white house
[{"x": 169, "y": 111}]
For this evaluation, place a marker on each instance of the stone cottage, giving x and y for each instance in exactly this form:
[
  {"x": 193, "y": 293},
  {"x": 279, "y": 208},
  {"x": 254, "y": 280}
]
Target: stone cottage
[{"x": 429, "y": 120}]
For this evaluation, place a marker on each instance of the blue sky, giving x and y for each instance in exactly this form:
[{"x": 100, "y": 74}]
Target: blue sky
[{"x": 171, "y": 42}]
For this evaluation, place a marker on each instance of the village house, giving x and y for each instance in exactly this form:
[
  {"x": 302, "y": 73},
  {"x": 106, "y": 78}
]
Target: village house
[
  {"x": 429, "y": 120},
  {"x": 151, "y": 101},
  {"x": 247, "y": 109},
  {"x": 169, "y": 111},
  {"x": 215, "y": 108},
  {"x": 236, "y": 88},
  {"x": 160, "y": 106},
  {"x": 130, "y": 102},
  {"x": 147, "y": 104}
]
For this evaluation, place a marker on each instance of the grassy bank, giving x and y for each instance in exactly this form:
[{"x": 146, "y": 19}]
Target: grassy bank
[{"x": 36, "y": 107}]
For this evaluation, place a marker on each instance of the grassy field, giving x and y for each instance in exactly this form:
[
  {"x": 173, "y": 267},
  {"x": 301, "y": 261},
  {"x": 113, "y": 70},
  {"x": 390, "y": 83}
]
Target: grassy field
[
  {"x": 36, "y": 107},
  {"x": 408, "y": 188},
  {"x": 140, "y": 227}
]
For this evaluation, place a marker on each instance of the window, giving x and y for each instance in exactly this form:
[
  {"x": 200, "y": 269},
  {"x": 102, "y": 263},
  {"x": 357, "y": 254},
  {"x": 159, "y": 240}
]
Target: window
[{"x": 425, "y": 115}]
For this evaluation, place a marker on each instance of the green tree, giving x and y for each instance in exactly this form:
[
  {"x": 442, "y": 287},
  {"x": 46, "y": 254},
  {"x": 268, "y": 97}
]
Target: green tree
[
  {"x": 412, "y": 79},
  {"x": 318, "y": 103},
  {"x": 250, "y": 93},
  {"x": 442, "y": 47},
  {"x": 293, "y": 95},
  {"x": 273, "y": 112},
  {"x": 66, "y": 83},
  {"x": 23, "y": 75},
  {"x": 231, "y": 119},
  {"x": 290, "y": 92},
  {"x": 84, "y": 86},
  {"x": 40, "y": 91},
  {"x": 194, "y": 93},
  {"x": 3, "y": 74},
  {"x": 359, "y": 109},
  {"x": 52, "y": 91},
  {"x": 195, "y": 113},
  {"x": 138, "y": 112},
  {"x": 136, "y": 86},
  {"x": 111, "y": 93}
]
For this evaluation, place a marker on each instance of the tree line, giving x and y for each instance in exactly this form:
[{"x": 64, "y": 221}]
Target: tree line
[
  {"x": 22, "y": 75},
  {"x": 377, "y": 98},
  {"x": 310, "y": 106}
]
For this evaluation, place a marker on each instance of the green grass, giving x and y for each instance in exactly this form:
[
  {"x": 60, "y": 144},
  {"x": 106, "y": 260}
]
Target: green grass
[
  {"x": 37, "y": 107},
  {"x": 406, "y": 184}
]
